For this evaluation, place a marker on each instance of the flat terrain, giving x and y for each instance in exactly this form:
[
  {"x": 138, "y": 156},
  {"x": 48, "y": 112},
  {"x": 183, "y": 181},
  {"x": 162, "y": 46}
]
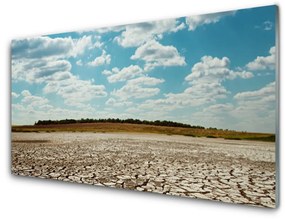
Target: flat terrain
[
  {"x": 143, "y": 128},
  {"x": 225, "y": 170}
]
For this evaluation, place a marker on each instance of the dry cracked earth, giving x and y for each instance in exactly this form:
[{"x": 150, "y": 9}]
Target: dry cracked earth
[{"x": 215, "y": 169}]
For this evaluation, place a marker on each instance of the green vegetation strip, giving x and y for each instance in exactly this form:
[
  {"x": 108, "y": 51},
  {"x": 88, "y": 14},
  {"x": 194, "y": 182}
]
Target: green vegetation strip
[{"x": 163, "y": 128}]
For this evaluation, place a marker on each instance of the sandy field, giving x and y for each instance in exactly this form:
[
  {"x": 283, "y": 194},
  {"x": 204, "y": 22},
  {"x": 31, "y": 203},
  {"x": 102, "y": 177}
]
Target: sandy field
[{"x": 207, "y": 168}]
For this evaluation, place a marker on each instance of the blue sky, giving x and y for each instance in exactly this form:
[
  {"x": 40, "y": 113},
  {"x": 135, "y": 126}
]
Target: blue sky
[{"x": 214, "y": 70}]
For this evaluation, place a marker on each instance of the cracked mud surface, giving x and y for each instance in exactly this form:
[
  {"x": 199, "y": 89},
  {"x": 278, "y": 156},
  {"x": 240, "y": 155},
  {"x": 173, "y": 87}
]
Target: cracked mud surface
[{"x": 216, "y": 169}]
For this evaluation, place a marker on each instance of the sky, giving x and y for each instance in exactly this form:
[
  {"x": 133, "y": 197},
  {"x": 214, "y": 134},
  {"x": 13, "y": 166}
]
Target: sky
[{"x": 212, "y": 70}]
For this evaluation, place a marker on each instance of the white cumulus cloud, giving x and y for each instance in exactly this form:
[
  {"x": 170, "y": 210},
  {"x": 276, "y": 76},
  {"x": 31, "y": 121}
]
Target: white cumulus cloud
[
  {"x": 155, "y": 54},
  {"x": 138, "y": 88},
  {"x": 118, "y": 102},
  {"x": 124, "y": 74},
  {"x": 30, "y": 100},
  {"x": 46, "y": 47},
  {"x": 137, "y": 34},
  {"x": 205, "y": 82},
  {"x": 197, "y": 20},
  {"x": 104, "y": 59},
  {"x": 256, "y": 109},
  {"x": 79, "y": 46},
  {"x": 79, "y": 63},
  {"x": 75, "y": 91},
  {"x": 212, "y": 69},
  {"x": 264, "y": 62},
  {"x": 267, "y": 92},
  {"x": 39, "y": 70},
  {"x": 14, "y": 95},
  {"x": 26, "y": 93}
]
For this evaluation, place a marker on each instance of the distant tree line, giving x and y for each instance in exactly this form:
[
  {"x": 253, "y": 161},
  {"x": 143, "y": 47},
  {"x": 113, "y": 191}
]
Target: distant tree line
[{"x": 117, "y": 120}]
